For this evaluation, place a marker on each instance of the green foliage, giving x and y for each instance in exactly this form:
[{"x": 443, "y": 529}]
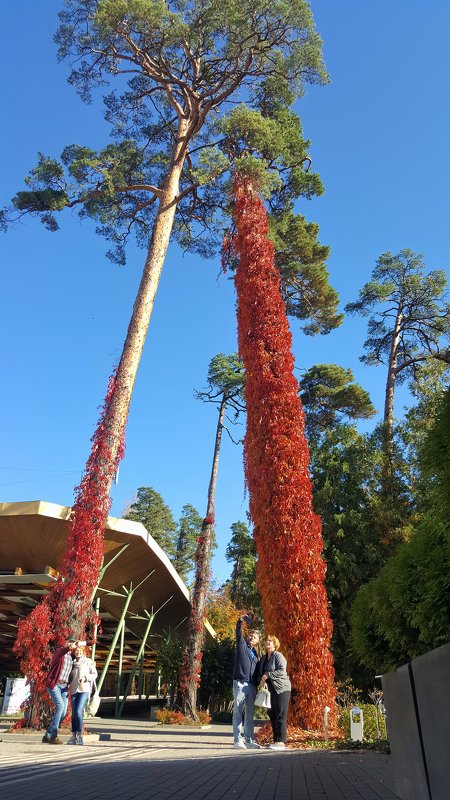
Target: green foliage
[
  {"x": 360, "y": 528},
  {"x": 191, "y": 63},
  {"x": 179, "y": 542},
  {"x": 275, "y": 138},
  {"x": 150, "y": 509},
  {"x": 301, "y": 260},
  {"x": 153, "y": 19},
  {"x": 376, "y": 745},
  {"x": 44, "y": 200},
  {"x": 189, "y": 528},
  {"x": 430, "y": 380},
  {"x": 329, "y": 394},
  {"x": 216, "y": 688},
  {"x": 255, "y": 169},
  {"x": 370, "y": 729},
  {"x": 407, "y": 301},
  {"x": 263, "y": 147},
  {"x": 241, "y": 552},
  {"x": 226, "y": 376},
  {"x": 435, "y": 459},
  {"x": 226, "y": 384},
  {"x": 405, "y": 610},
  {"x": 168, "y": 661},
  {"x": 186, "y": 62}
]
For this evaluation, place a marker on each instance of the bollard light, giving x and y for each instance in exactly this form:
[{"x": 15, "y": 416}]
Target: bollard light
[
  {"x": 356, "y": 724},
  {"x": 326, "y": 711}
]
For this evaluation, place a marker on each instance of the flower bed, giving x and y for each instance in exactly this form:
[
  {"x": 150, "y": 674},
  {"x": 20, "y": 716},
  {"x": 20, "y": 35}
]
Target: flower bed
[{"x": 168, "y": 717}]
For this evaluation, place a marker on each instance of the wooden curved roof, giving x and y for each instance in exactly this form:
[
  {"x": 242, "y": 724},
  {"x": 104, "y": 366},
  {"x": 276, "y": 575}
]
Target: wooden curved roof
[{"x": 32, "y": 541}]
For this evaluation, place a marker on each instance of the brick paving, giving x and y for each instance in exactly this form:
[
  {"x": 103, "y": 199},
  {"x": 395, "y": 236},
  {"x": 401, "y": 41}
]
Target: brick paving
[{"x": 142, "y": 760}]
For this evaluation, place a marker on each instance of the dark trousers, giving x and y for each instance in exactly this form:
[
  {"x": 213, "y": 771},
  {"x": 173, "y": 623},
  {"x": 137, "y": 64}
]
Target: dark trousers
[{"x": 278, "y": 714}]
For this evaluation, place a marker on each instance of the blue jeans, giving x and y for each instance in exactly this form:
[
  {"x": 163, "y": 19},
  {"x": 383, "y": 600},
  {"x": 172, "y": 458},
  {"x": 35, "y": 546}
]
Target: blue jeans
[
  {"x": 244, "y": 701},
  {"x": 79, "y": 700},
  {"x": 60, "y": 697}
]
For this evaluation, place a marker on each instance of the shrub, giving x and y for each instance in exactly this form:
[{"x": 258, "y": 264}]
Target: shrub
[
  {"x": 260, "y": 713},
  {"x": 405, "y": 610},
  {"x": 216, "y": 687},
  {"x": 167, "y": 717}
]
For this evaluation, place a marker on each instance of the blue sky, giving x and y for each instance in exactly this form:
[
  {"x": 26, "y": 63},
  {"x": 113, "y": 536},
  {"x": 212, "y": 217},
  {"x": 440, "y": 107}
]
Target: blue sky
[{"x": 380, "y": 137}]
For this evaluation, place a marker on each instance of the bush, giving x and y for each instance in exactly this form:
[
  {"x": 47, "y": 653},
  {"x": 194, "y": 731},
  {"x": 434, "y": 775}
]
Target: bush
[
  {"x": 380, "y": 745},
  {"x": 405, "y": 611},
  {"x": 260, "y": 713},
  {"x": 216, "y": 687},
  {"x": 168, "y": 717}
]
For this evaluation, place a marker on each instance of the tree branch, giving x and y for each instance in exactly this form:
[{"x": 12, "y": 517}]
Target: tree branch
[{"x": 439, "y": 355}]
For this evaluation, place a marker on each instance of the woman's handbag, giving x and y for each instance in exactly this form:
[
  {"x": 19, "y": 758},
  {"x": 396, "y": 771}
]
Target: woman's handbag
[
  {"x": 94, "y": 703},
  {"x": 262, "y": 698}
]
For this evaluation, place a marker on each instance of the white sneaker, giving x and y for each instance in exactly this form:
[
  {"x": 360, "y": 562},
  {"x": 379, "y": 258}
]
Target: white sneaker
[
  {"x": 240, "y": 745},
  {"x": 277, "y": 746},
  {"x": 251, "y": 745}
]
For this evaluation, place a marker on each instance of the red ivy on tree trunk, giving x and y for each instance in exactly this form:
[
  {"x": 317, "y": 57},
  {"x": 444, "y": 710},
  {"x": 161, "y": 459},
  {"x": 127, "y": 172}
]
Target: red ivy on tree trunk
[
  {"x": 290, "y": 568},
  {"x": 67, "y": 609},
  {"x": 191, "y": 667}
]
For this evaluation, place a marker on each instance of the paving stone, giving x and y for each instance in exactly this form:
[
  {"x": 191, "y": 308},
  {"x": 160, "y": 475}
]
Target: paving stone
[{"x": 139, "y": 759}]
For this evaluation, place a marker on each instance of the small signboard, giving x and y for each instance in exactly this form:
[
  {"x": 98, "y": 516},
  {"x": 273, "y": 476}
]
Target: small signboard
[{"x": 16, "y": 692}]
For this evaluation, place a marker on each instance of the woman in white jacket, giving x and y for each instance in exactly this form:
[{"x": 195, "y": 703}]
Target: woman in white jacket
[{"x": 82, "y": 678}]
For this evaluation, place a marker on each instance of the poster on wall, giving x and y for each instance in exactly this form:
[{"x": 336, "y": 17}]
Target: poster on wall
[{"x": 16, "y": 692}]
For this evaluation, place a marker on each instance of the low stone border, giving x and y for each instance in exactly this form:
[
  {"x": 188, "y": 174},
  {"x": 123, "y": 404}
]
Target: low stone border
[
  {"x": 36, "y": 736},
  {"x": 163, "y": 727}
]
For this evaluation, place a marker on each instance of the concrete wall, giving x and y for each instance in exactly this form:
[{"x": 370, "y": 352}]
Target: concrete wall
[{"x": 417, "y": 700}]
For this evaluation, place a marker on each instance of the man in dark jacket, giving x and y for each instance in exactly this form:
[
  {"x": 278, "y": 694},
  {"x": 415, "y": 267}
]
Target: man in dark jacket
[
  {"x": 57, "y": 684},
  {"x": 244, "y": 688}
]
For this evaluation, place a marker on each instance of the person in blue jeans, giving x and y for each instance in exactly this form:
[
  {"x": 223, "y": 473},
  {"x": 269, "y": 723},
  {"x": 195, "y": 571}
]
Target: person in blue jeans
[
  {"x": 57, "y": 685},
  {"x": 83, "y": 676},
  {"x": 244, "y": 688}
]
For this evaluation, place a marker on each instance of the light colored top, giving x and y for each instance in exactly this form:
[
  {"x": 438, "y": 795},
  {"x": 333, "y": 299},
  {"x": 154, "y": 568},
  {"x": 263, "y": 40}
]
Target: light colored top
[
  {"x": 84, "y": 673},
  {"x": 275, "y": 667}
]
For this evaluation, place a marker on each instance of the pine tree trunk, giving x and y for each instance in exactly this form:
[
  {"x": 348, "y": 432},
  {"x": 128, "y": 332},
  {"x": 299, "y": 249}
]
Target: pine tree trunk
[
  {"x": 290, "y": 568},
  {"x": 116, "y": 413},
  {"x": 65, "y": 609},
  {"x": 388, "y": 418},
  {"x": 193, "y": 646}
]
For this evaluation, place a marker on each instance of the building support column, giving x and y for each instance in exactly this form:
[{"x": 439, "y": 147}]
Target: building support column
[
  {"x": 119, "y": 671},
  {"x": 128, "y": 597},
  {"x": 150, "y": 616}
]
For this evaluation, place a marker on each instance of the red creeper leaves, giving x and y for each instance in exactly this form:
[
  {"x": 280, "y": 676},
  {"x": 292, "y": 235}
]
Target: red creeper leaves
[
  {"x": 67, "y": 608},
  {"x": 191, "y": 667},
  {"x": 290, "y": 568}
]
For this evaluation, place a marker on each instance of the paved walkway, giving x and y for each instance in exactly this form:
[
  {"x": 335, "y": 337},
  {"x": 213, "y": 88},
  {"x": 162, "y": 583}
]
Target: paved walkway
[{"x": 141, "y": 760}]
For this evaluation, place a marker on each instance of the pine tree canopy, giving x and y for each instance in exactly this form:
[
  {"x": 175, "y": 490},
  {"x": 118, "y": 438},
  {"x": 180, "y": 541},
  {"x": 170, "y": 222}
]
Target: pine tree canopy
[
  {"x": 329, "y": 394},
  {"x": 180, "y": 63},
  {"x": 301, "y": 260},
  {"x": 149, "y": 508},
  {"x": 226, "y": 381},
  {"x": 409, "y": 316}
]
